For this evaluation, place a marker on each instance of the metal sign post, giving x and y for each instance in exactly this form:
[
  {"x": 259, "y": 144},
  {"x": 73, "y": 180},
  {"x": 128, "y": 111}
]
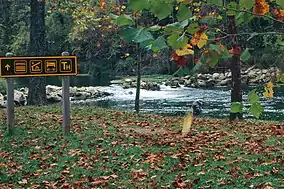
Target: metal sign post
[{"x": 65, "y": 65}]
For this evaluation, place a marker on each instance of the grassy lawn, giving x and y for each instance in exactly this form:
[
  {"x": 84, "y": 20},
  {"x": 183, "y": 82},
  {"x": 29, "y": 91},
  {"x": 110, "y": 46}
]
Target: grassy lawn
[{"x": 114, "y": 149}]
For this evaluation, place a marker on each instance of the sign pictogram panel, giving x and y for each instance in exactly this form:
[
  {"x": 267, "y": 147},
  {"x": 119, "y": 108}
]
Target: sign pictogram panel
[{"x": 38, "y": 66}]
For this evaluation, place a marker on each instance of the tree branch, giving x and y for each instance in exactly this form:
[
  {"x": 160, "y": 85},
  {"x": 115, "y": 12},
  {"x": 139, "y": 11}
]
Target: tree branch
[{"x": 249, "y": 12}]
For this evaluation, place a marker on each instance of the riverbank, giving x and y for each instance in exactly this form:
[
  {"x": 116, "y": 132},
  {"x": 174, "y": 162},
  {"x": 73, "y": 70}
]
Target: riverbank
[
  {"x": 113, "y": 149},
  {"x": 250, "y": 76}
]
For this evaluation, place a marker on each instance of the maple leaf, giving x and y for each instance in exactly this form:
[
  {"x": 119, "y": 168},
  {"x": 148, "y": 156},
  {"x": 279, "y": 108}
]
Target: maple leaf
[
  {"x": 203, "y": 40},
  {"x": 268, "y": 90},
  {"x": 279, "y": 14},
  {"x": 235, "y": 50},
  {"x": 260, "y": 7},
  {"x": 185, "y": 51},
  {"x": 180, "y": 60}
]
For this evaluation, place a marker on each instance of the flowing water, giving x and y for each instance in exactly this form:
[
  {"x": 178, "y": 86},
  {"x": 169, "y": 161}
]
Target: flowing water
[{"x": 177, "y": 101}]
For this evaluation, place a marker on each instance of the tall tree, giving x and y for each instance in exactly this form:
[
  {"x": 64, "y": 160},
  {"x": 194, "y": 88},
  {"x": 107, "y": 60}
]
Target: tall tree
[
  {"x": 5, "y": 25},
  {"x": 236, "y": 92},
  {"x": 37, "y": 46}
]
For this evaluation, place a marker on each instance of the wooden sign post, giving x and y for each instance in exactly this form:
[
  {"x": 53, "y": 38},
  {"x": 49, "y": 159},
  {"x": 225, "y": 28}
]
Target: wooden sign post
[
  {"x": 66, "y": 101},
  {"x": 12, "y": 67},
  {"x": 10, "y": 101}
]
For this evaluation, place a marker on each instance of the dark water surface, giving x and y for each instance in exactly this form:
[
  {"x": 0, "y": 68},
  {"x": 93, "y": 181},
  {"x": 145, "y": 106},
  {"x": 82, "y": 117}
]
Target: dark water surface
[{"x": 170, "y": 101}]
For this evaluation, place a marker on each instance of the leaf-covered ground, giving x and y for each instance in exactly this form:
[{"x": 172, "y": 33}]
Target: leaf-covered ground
[{"x": 113, "y": 149}]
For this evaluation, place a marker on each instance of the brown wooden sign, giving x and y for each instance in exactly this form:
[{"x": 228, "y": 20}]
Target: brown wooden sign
[{"x": 38, "y": 66}]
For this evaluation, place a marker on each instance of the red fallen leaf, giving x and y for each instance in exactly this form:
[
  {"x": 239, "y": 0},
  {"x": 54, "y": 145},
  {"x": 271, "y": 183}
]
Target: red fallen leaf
[
  {"x": 24, "y": 181},
  {"x": 201, "y": 173},
  {"x": 99, "y": 181},
  {"x": 138, "y": 174},
  {"x": 234, "y": 175},
  {"x": 66, "y": 186},
  {"x": 275, "y": 170},
  {"x": 178, "y": 183},
  {"x": 114, "y": 143},
  {"x": 2, "y": 165},
  {"x": 176, "y": 156},
  {"x": 196, "y": 181},
  {"x": 172, "y": 144},
  {"x": 114, "y": 176}
]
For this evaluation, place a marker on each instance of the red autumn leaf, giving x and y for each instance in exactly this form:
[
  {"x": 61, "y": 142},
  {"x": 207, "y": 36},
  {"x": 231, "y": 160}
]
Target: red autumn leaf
[
  {"x": 180, "y": 60},
  {"x": 235, "y": 50},
  {"x": 279, "y": 14}
]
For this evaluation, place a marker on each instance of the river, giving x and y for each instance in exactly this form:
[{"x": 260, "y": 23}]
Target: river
[{"x": 177, "y": 101}]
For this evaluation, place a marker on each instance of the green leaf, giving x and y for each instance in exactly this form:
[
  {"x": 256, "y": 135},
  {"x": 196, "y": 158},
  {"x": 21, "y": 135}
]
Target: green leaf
[
  {"x": 184, "y": 13},
  {"x": 246, "y": 4},
  {"x": 256, "y": 109},
  {"x": 253, "y": 97},
  {"x": 138, "y": 5},
  {"x": 159, "y": 44},
  {"x": 209, "y": 20},
  {"x": 232, "y": 5},
  {"x": 177, "y": 27},
  {"x": 161, "y": 9},
  {"x": 154, "y": 28},
  {"x": 245, "y": 56},
  {"x": 142, "y": 35},
  {"x": 193, "y": 28},
  {"x": 113, "y": 16},
  {"x": 236, "y": 107},
  {"x": 215, "y": 2},
  {"x": 280, "y": 3},
  {"x": 179, "y": 72},
  {"x": 211, "y": 58},
  {"x": 224, "y": 52},
  {"x": 196, "y": 67},
  {"x": 176, "y": 42},
  {"x": 135, "y": 35},
  {"x": 124, "y": 20},
  {"x": 128, "y": 34},
  {"x": 240, "y": 18}
]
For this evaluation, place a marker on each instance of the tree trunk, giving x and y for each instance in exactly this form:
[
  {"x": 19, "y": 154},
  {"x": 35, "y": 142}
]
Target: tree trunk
[
  {"x": 138, "y": 84},
  {"x": 37, "y": 47},
  {"x": 236, "y": 91},
  {"x": 6, "y": 24}
]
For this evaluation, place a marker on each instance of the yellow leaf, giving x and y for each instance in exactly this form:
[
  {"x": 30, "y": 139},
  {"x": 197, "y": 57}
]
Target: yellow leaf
[
  {"x": 203, "y": 40},
  {"x": 183, "y": 52},
  {"x": 270, "y": 85},
  {"x": 268, "y": 90},
  {"x": 187, "y": 123}
]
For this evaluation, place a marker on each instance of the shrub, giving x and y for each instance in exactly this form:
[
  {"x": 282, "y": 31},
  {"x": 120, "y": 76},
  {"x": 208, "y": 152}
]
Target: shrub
[{"x": 3, "y": 86}]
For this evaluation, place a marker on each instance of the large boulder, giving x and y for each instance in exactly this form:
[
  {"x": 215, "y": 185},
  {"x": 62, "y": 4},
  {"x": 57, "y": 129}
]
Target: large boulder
[
  {"x": 52, "y": 88},
  {"x": 224, "y": 82},
  {"x": 53, "y": 97},
  {"x": 216, "y": 76},
  {"x": 19, "y": 98},
  {"x": 2, "y": 101},
  {"x": 188, "y": 83},
  {"x": 201, "y": 83},
  {"x": 150, "y": 86}
]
